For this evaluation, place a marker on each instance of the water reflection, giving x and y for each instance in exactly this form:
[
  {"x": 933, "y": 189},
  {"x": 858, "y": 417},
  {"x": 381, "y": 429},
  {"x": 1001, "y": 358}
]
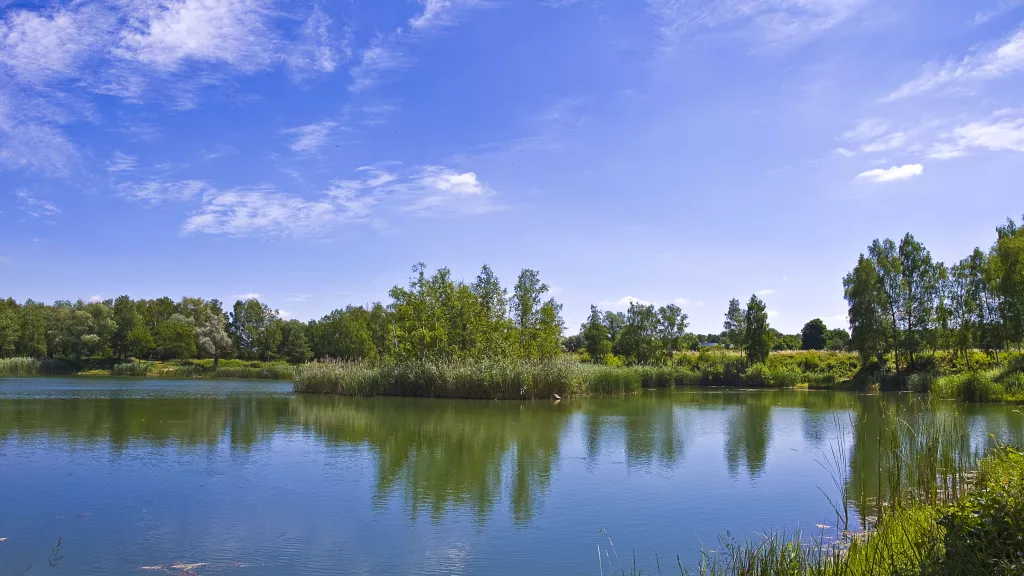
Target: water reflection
[{"x": 438, "y": 456}]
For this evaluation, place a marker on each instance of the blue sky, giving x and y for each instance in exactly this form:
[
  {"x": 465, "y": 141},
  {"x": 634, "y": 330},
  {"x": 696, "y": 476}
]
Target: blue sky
[{"x": 681, "y": 151}]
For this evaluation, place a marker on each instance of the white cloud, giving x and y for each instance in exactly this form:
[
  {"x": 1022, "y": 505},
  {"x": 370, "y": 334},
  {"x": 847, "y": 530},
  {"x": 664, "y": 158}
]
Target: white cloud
[
  {"x": 867, "y": 129},
  {"x": 158, "y": 191},
  {"x": 96, "y": 298},
  {"x": 440, "y": 13},
  {"x": 1002, "y": 60},
  {"x": 845, "y": 153},
  {"x": 247, "y": 296},
  {"x": 120, "y": 162},
  {"x": 263, "y": 211},
  {"x": 35, "y": 206},
  {"x": 166, "y": 34},
  {"x": 771, "y": 313},
  {"x": 994, "y": 135},
  {"x": 779, "y": 22},
  {"x": 383, "y": 55},
  {"x": 316, "y": 50},
  {"x": 298, "y": 298},
  {"x": 893, "y": 173},
  {"x": 884, "y": 143},
  {"x": 766, "y": 292},
  {"x": 310, "y": 137},
  {"x": 1003, "y": 7},
  {"x": 37, "y": 46},
  {"x": 624, "y": 303}
]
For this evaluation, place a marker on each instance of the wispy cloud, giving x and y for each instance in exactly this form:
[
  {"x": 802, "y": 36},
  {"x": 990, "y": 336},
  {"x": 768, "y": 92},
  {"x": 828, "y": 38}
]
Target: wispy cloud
[
  {"x": 885, "y": 143},
  {"x": 38, "y": 46},
  {"x": 893, "y": 173},
  {"x": 95, "y": 298},
  {"x": 317, "y": 50},
  {"x": 34, "y": 205},
  {"x": 383, "y": 55},
  {"x": 766, "y": 292},
  {"x": 120, "y": 162},
  {"x": 247, "y": 296},
  {"x": 1001, "y": 8},
  {"x": 994, "y": 135},
  {"x": 1002, "y": 60},
  {"x": 310, "y": 137},
  {"x": 262, "y": 210},
  {"x": 388, "y": 52},
  {"x": 298, "y": 298},
  {"x": 776, "y": 22},
  {"x": 845, "y": 153},
  {"x": 159, "y": 191}
]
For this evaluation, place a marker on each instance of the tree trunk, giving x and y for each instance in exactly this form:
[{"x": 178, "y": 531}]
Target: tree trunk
[{"x": 216, "y": 360}]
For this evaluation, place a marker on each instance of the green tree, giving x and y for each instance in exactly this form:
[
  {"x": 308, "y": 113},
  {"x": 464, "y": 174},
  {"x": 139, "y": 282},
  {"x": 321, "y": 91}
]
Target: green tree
[
  {"x": 595, "y": 337},
  {"x": 812, "y": 336},
  {"x": 639, "y": 339},
  {"x": 32, "y": 339},
  {"x": 867, "y": 310},
  {"x": 175, "y": 338},
  {"x": 735, "y": 325},
  {"x": 671, "y": 328},
  {"x": 757, "y": 335},
  {"x": 837, "y": 339},
  {"x": 125, "y": 339},
  {"x": 294, "y": 347},
  {"x": 1007, "y": 278},
  {"x": 614, "y": 322},
  {"x": 10, "y": 327},
  {"x": 526, "y": 303},
  {"x": 255, "y": 329}
]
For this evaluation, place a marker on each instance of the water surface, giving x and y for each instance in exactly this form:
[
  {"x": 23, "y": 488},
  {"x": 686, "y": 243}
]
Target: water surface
[{"x": 246, "y": 478}]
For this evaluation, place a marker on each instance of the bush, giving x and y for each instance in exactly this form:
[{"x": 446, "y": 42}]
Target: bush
[
  {"x": 921, "y": 382},
  {"x": 985, "y": 530},
  {"x": 33, "y": 366},
  {"x": 758, "y": 376}
]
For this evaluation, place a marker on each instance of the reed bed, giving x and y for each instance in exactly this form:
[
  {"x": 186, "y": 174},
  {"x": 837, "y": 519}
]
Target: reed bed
[
  {"x": 135, "y": 368},
  {"x": 33, "y": 367},
  {"x": 500, "y": 379}
]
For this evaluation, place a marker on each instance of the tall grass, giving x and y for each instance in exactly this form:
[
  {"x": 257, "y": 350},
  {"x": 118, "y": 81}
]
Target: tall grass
[
  {"x": 33, "y": 367},
  {"x": 481, "y": 380},
  {"x": 135, "y": 368}
]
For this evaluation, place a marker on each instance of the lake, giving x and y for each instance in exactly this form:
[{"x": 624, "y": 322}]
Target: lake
[{"x": 246, "y": 478}]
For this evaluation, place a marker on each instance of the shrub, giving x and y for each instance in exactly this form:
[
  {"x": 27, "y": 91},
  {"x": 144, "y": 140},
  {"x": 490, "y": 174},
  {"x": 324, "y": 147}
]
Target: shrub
[
  {"x": 921, "y": 382},
  {"x": 759, "y": 376}
]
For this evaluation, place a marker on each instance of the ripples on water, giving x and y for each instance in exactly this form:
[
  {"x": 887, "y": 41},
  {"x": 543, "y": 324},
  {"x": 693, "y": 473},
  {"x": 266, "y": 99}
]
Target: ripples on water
[{"x": 246, "y": 478}]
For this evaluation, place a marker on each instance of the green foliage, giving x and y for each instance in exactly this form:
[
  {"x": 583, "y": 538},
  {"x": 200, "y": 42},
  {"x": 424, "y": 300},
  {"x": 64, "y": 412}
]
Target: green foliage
[
  {"x": 812, "y": 336},
  {"x": 175, "y": 338},
  {"x": 984, "y": 532},
  {"x": 757, "y": 338},
  {"x": 595, "y": 337},
  {"x": 735, "y": 325}
]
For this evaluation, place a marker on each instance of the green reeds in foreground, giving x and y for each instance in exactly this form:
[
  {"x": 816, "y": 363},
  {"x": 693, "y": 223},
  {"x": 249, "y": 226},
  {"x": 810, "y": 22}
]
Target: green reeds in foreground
[
  {"x": 32, "y": 367},
  {"x": 498, "y": 379},
  {"x": 944, "y": 513}
]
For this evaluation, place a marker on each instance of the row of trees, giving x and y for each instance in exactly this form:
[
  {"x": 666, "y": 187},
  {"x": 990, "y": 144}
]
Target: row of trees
[
  {"x": 646, "y": 334},
  {"x": 433, "y": 318},
  {"x": 902, "y": 303}
]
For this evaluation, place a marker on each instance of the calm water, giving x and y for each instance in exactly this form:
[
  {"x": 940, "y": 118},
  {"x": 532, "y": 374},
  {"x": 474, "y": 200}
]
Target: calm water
[{"x": 251, "y": 480}]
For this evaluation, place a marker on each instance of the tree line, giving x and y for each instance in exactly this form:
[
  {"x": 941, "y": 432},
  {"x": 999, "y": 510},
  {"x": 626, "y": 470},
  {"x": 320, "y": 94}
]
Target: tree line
[
  {"x": 902, "y": 303},
  {"x": 434, "y": 317},
  {"x": 646, "y": 334}
]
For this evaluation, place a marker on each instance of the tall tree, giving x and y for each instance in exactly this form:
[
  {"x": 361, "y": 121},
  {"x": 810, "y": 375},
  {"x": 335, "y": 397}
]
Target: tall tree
[
  {"x": 595, "y": 337},
  {"x": 671, "y": 328},
  {"x": 212, "y": 339},
  {"x": 639, "y": 339},
  {"x": 758, "y": 336},
  {"x": 812, "y": 336},
  {"x": 734, "y": 325},
  {"x": 254, "y": 328},
  {"x": 128, "y": 322},
  {"x": 867, "y": 311}
]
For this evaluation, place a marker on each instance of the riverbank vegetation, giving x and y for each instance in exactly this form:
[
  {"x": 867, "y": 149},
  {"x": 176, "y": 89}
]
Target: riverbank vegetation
[
  {"x": 939, "y": 509},
  {"x": 916, "y": 325}
]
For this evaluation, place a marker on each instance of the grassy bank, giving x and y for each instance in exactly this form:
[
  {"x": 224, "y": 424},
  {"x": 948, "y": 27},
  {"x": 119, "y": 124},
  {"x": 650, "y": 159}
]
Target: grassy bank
[{"x": 191, "y": 369}]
